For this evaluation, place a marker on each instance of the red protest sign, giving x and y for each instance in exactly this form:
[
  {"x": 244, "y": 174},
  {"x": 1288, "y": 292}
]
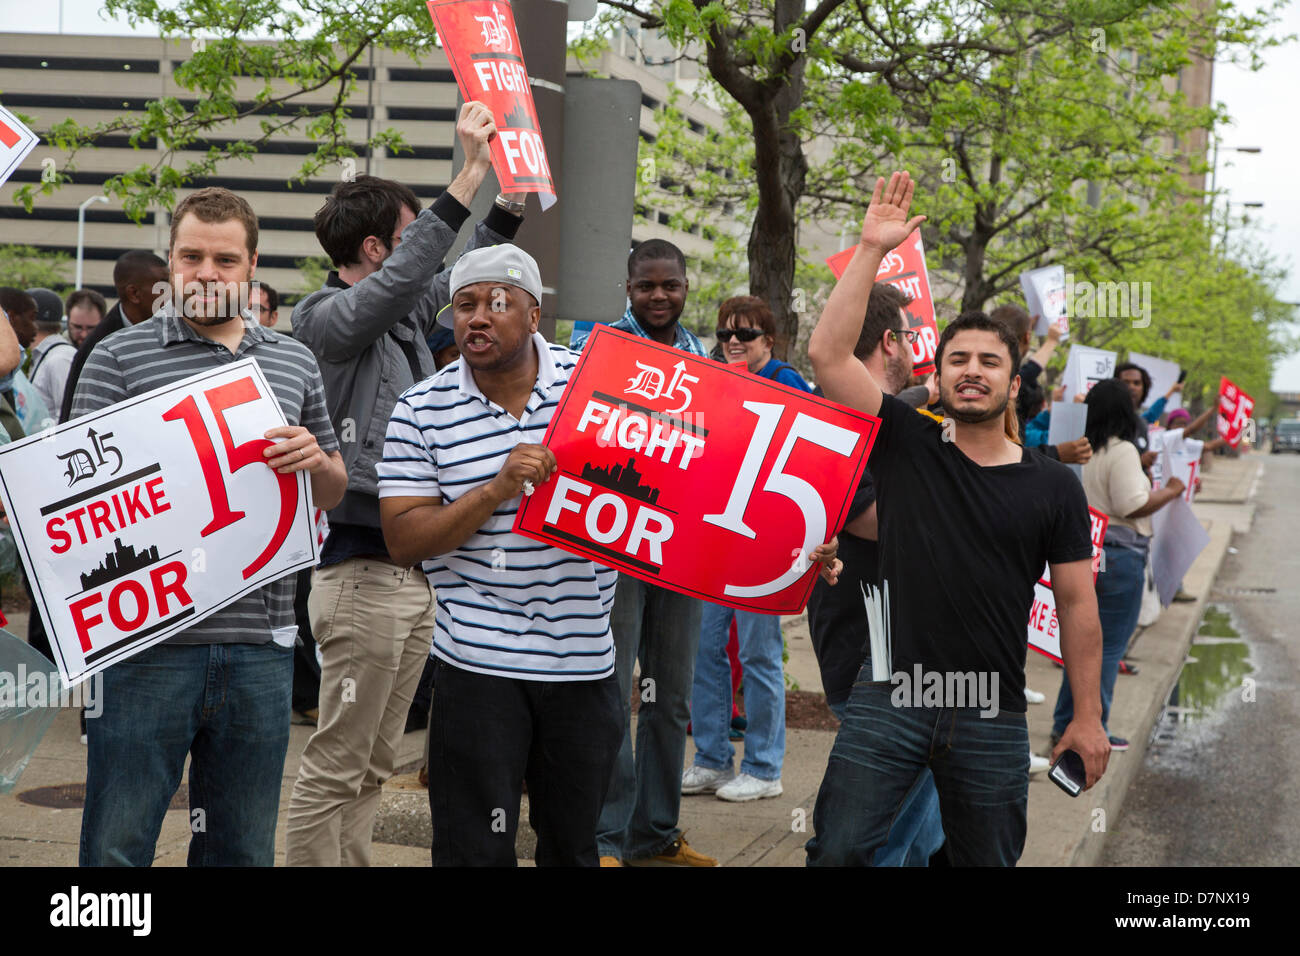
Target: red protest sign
[
  {"x": 905, "y": 269},
  {"x": 1235, "y": 407},
  {"x": 482, "y": 44},
  {"x": 1044, "y": 627},
  {"x": 696, "y": 476}
]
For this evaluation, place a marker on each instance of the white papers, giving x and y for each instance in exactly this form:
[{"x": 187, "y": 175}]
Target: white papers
[
  {"x": 1086, "y": 367},
  {"x": 1177, "y": 541},
  {"x": 1164, "y": 374},
  {"x": 1044, "y": 291},
  {"x": 1069, "y": 419}
]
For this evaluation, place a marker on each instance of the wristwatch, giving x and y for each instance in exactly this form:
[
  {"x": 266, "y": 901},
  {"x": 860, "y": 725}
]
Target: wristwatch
[{"x": 509, "y": 205}]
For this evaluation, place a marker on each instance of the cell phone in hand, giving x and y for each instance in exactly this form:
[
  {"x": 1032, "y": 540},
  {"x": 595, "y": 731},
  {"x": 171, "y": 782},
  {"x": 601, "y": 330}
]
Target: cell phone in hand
[
  {"x": 1068, "y": 773},
  {"x": 1182, "y": 375}
]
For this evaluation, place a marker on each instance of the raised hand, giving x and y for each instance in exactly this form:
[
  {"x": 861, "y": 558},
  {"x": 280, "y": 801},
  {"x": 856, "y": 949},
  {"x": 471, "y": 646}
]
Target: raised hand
[
  {"x": 475, "y": 127},
  {"x": 886, "y": 224}
]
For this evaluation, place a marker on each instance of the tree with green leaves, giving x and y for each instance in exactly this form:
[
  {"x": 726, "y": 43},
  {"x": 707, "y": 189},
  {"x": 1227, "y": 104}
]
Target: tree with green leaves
[
  {"x": 27, "y": 267},
  {"x": 1038, "y": 132}
]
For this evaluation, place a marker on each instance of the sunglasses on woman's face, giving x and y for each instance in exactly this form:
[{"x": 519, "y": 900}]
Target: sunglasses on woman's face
[{"x": 744, "y": 335}]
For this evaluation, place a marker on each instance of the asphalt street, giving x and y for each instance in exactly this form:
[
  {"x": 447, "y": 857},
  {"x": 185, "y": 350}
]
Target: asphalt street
[{"x": 1220, "y": 784}]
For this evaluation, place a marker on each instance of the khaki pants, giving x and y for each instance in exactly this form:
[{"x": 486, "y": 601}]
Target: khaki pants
[{"x": 373, "y": 622}]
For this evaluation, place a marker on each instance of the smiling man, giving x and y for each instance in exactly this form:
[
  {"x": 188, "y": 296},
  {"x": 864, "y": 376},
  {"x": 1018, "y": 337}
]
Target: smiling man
[
  {"x": 219, "y": 691},
  {"x": 952, "y": 509},
  {"x": 524, "y": 687}
]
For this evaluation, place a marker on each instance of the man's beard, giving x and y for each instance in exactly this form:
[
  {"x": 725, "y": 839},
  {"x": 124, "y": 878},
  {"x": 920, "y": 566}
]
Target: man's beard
[
  {"x": 971, "y": 417},
  {"x": 897, "y": 372}
]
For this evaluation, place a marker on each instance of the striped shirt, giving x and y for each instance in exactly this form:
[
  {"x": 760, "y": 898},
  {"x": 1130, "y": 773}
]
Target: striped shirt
[
  {"x": 683, "y": 338},
  {"x": 163, "y": 350},
  {"x": 508, "y": 606}
]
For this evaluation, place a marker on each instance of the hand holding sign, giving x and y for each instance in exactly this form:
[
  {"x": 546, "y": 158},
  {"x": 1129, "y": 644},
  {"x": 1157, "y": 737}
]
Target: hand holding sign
[
  {"x": 528, "y": 465},
  {"x": 476, "y": 128}
]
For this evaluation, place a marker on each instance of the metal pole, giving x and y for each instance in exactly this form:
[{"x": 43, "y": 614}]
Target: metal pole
[{"x": 81, "y": 231}]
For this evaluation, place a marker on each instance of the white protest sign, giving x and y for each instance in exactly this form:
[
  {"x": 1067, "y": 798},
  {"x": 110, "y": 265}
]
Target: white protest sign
[
  {"x": 1086, "y": 367},
  {"x": 1178, "y": 456},
  {"x": 1044, "y": 291},
  {"x": 1177, "y": 538},
  {"x": 1044, "y": 626},
  {"x": 1164, "y": 375},
  {"x": 16, "y": 141},
  {"x": 1068, "y": 423},
  {"x": 140, "y": 520}
]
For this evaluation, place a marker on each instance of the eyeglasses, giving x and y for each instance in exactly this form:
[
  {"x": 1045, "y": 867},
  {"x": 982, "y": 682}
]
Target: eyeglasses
[
  {"x": 909, "y": 334},
  {"x": 744, "y": 335}
]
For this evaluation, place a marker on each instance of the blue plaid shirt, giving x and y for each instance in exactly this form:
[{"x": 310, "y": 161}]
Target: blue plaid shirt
[{"x": 684, "y": 339}]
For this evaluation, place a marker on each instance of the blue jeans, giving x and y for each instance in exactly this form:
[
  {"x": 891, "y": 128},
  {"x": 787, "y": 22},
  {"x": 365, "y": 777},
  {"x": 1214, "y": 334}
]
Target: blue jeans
[
  {"x": 662, "y": 629},
  {"x": 228, "y": 706},
  {"x": 760, "y": 656},
  {"x": 981, "y": 775},
  {"x": 1119, "y": 603}
]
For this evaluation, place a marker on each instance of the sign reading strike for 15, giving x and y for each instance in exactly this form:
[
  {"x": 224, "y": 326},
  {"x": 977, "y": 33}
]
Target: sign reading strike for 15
[
  {"x": 140, "y": 520},
  {"x": 696, "y": 476},
  {"x": 482, "y": 46},
  {"x": 904, "y": 268}
]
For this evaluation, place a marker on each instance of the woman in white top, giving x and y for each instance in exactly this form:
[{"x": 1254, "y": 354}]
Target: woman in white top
[{"x": 1115, "y": 484}]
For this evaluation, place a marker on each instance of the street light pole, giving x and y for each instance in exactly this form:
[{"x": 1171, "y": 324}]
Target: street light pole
[{"x": 81, "y": 231}]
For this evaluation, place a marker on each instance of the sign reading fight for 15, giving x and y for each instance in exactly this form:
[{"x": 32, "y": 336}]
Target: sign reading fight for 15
[
  {"x": 140, "y": 520},
  {"x": 695, "y": 475}
]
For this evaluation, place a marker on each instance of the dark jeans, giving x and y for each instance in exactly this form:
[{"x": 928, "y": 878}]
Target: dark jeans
[
  {"x": 227, "y": 706},
  {"x": 980, "y": 767},
  {"x": 487, "y": 735},
  {"x": 306, "y": 669},
  {"x": 661, "y": 628},
  {"x": 1119, "y": 604}
]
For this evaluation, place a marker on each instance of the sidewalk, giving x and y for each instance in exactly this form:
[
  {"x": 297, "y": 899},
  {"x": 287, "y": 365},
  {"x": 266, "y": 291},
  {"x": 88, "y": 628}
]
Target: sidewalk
[{"x": 1062, "y": 831}]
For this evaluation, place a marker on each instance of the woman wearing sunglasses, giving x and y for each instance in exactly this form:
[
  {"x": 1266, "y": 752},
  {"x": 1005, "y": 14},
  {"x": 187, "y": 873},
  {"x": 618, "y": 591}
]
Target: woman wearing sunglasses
[{"x": 746, "y": 331}]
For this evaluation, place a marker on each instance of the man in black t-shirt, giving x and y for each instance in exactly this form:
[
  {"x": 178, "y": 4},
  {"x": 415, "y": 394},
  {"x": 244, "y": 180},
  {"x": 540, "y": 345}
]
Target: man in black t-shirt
[{"x": 967, "y": 519}]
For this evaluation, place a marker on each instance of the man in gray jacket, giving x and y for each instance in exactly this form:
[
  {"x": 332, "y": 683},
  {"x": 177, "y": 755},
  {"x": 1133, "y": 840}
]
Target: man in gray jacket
[{"x": 373, "y": 619}]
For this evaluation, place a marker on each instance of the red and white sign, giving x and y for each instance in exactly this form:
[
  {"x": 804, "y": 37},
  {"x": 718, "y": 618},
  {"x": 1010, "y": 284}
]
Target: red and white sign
[
  {"x": 1044, "y": 628},
  {"x": 482, "y": 44},
  {"x": 905, "y": 269},
  {"x": 696, "y": 476},
  {"x": 143, "y": 519},
  {"x": 16, "y": 141},
  {"x": 1235, "y": 407}
]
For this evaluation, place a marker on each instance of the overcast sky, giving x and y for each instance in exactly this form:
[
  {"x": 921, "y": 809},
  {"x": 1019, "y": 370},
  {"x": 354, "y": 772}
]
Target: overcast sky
[{"x": 1253, "y": 100}]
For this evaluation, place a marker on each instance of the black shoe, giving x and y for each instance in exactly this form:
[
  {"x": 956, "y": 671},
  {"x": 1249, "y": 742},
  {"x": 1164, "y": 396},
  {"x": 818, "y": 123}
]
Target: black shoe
[
  {"x": 1118, "y": 744},
  {"x": 1126, "y": 668}
]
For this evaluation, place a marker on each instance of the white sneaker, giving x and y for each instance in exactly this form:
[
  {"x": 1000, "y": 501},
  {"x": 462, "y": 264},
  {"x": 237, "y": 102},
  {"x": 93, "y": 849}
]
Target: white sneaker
[
  {"x": 1033, "y": 696},
  {"x": 698, "y": 779},
  {"x": 1038, "y": 764},
  {"x": 745, "y": 787}
]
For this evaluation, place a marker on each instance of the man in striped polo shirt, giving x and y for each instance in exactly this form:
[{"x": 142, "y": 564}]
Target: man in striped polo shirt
[
  {"x": 525, "y": 686},
  {"x": 220, "y": 690}
]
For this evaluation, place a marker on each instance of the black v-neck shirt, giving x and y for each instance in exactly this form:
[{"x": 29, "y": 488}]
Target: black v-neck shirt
[{"x": 961, "y": 546}]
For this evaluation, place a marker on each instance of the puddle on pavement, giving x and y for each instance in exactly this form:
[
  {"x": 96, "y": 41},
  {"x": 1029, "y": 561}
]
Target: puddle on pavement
[{"x": 1217, "y": 663}]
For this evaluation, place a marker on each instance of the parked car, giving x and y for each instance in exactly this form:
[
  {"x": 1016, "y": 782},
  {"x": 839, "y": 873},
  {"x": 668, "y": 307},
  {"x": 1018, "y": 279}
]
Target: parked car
[{"x": 1287, "y": 436}]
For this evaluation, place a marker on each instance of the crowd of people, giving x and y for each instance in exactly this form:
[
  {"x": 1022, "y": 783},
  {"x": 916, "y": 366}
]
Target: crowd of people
[{"x": 418, "y": 396}]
